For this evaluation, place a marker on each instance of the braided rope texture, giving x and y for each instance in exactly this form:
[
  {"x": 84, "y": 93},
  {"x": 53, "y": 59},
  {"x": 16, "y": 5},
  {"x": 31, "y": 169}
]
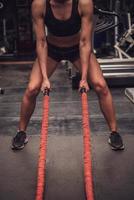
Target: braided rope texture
[
  {"x": 88, "y": 178},
  {"x": 43, "y": 149}
]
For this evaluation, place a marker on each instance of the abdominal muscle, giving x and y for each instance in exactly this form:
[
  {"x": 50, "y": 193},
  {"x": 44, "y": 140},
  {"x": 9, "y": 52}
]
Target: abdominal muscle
[{"x": 66, "y": 41}]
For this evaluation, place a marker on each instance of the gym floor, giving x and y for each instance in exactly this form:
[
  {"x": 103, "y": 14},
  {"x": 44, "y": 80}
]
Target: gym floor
[{"x": 113, "y": 172}]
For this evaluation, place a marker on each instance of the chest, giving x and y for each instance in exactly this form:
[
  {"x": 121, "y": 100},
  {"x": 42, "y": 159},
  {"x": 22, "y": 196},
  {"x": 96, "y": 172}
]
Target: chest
[{"x": 62, "y": 11}]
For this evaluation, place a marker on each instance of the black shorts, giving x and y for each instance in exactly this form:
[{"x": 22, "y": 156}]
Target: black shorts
[{"x": 63, "y": 53}]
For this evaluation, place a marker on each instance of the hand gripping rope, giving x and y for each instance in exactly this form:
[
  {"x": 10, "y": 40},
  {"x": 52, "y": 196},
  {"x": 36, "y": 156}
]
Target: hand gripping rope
[
  {"x": 43, "y": 148},
  {"x": 88, "y": 179}
]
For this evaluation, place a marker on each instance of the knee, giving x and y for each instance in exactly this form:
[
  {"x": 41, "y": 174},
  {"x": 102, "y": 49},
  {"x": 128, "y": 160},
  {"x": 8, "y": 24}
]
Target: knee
[
  {"x": 101, "y": 88},
  {"x": 32, "y": 91}
]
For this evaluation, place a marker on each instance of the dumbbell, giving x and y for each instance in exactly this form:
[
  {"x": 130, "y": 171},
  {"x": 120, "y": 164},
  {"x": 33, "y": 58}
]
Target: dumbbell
[
  {"x": 76, "y": 80},
  {"x": 2, "y": 91}
]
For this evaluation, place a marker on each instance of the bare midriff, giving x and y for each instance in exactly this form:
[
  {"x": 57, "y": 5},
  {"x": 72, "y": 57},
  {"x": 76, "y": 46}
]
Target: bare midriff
[{"x": 67, "y": 41}]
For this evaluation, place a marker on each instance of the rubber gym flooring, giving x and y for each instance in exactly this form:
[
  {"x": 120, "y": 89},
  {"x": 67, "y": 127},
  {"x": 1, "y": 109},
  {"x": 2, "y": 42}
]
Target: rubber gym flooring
[{"x": 113, "y": 172}]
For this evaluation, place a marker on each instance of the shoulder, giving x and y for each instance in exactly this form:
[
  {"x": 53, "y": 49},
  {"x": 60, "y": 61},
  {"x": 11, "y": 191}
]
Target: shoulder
[
  {"x": 85, "y": 6},
  {"x": 38, "y": 3},
  {"x": 85, "y": 2},
  {"x": 38, "y": 7}
]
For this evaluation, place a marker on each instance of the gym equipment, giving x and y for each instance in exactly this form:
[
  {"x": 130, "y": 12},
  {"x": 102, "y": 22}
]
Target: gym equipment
[
  {"x": 68, "y": 68},
  {"x": 87, "y": 147},
  {"x": 129, "y": 92},
  {"x": 126, "y": 42},
  {"x": 2, "y": 91},
  {"x": 16, "y": 37},
  {"x": 3, "y": 6},
  {"x": 4, "y": 45},
  {"x": 120, "y": 71},
  {"x": 43, "y": 148},
  {"x": 76, "y": 80},
  {"x": 105, "y": 20}
]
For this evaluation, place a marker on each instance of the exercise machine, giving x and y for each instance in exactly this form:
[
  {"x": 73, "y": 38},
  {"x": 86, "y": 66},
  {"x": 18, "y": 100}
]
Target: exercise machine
[{"x": 119, "y": 69}]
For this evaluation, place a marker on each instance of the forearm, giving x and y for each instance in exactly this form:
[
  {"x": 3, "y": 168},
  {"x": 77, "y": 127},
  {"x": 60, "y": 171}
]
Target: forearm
[
  {"x": 41, "y": 49},
  {"x": 85, "y": 52}
]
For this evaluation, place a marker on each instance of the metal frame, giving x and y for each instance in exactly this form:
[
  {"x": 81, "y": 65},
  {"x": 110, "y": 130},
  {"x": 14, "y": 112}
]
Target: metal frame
[
  {"x": 107, "y": 24},
  {"x": 127, "y": 37},
  {"x": 123, "y": 66},
  {"x": 117, "y": 67}
]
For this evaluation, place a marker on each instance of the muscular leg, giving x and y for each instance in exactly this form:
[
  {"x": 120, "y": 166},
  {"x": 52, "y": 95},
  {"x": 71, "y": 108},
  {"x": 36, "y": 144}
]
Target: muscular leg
[
  {"x": 99, "y": 84},
  {"x": 33, "y": 88}
]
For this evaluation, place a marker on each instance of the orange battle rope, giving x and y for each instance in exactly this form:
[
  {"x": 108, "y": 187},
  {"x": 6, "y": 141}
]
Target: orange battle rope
[
  {"x": 87, "y": 147},
  {"x": 43, "y": 148}
]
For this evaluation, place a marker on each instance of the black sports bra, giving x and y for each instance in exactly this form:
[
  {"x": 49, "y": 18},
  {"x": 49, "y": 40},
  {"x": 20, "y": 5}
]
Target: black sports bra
[{"x": 62, "y": 28}]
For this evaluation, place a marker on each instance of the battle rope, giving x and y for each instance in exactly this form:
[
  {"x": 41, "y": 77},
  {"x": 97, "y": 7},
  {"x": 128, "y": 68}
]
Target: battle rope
[
  {"x": 43, "y": 148},
  {"x": 87, "y": 147}
]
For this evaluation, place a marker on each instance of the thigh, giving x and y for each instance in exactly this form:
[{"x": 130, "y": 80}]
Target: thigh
[
  {"x": 95, "y": 74},
  {"x": 36, "y": 74}
]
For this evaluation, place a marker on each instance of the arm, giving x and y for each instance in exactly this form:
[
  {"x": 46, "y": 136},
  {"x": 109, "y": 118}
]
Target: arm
[
  {"x": 86, "y": 11},
  {"x": 38, "y": 8}
]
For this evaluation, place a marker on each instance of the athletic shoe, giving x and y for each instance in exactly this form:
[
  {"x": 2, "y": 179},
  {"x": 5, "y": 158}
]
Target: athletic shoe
[
  {"x": 19, "y": 140},
  {"x": 115, "y": 141}
]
